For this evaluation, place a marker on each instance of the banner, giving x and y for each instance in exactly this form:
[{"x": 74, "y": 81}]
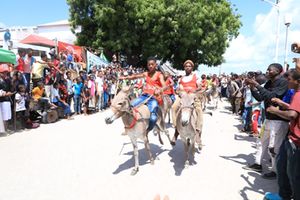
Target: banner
[
  {"x": 94, "y": 60},
  {"x": 77, "y": 50}
]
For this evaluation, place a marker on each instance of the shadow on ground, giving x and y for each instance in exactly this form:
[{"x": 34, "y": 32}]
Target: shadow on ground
[
  {"x": 178, "y": 158},
  {"x": 258, "y": 185},
  {"x": 143, "y": 156}
]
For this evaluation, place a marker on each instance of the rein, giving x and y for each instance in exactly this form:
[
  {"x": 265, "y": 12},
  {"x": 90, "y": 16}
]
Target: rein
[{"x": 132, "y": 112}]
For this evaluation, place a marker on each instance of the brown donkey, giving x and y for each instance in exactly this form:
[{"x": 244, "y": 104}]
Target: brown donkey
[{"x": 135, "y": 120}]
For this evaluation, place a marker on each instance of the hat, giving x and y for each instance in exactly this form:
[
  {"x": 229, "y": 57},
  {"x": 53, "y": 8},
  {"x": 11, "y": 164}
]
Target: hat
[{"x": 188, "y": 61}]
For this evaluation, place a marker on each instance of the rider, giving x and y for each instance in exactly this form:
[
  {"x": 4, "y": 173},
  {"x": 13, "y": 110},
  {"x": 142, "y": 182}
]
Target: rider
[
  {"x": 204, "y": 83},
  {"x": 170, "y": 86},
  {"x": 189, "y": 83},
  {"x": 154, "y": 86}
]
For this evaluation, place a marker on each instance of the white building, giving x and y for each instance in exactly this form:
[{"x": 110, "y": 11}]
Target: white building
[{"x": 60, "y": 30}]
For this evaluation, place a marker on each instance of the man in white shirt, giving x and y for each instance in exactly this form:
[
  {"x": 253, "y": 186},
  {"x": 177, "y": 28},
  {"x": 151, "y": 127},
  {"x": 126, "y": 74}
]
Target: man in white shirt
[{"x": 99, "y": 90}]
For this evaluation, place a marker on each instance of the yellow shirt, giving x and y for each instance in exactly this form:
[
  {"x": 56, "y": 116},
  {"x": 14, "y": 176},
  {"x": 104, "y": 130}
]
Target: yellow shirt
[
  {"x": 37, "y": 93},
  {"x": 38, "y": 70}
]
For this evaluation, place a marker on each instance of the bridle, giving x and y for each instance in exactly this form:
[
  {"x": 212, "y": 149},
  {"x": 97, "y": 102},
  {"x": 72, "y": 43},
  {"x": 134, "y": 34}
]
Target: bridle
[{"x": 132, "y": 111}]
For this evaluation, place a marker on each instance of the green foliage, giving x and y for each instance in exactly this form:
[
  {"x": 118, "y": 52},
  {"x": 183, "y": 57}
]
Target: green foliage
[{"x": 173, "y": 30}]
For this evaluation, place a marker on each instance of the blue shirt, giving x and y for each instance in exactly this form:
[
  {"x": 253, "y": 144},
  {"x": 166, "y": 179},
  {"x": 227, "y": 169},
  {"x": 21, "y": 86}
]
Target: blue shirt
[
  {"x": 70, "y": 58},
  {"x": 77, "y": 88},
  {"x": 288, "y": 96}
]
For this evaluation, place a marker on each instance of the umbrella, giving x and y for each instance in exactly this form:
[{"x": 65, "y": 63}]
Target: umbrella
[{"x": 7, "y": 56}]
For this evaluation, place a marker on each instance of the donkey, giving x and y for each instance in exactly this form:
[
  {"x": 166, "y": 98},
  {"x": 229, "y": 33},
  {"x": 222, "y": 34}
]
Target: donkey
[
  {"x": 135, "y": 120},
  {"x": 166, "y": 107},
  {"x": 186, "y": 124},
  {"x": 214, "y": 95}
]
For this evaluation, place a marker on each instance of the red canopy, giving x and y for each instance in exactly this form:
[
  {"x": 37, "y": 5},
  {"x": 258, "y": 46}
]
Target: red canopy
[
  {"x": 77, "y": 50},
  {"x": 38, "y": 40}
]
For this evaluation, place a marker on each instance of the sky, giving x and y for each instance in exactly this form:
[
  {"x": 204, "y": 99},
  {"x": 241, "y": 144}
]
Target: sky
[{"x": 253, "y": 49}]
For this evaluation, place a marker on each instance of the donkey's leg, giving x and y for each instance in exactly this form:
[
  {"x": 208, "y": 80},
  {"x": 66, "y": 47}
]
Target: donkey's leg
[
  {"x": 147, "y": 147},
  {"x": 136, "y": 156},
  {"x": 186, "y": 152}
]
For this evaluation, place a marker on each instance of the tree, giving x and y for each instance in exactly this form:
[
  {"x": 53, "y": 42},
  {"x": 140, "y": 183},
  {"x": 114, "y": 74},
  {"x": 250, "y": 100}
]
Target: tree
[{"x": 173, "y": 30}]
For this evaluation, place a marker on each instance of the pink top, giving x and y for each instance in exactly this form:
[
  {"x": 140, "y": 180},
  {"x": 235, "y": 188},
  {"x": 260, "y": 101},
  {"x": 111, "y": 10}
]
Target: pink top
[{"x": 92, "y": 86}]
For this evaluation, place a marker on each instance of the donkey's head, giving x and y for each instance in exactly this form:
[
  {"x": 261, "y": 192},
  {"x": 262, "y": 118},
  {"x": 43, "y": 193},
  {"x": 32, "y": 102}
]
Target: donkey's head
[
  {"x": 187, "y": 107},
  {"x": 119, "y": 105}
]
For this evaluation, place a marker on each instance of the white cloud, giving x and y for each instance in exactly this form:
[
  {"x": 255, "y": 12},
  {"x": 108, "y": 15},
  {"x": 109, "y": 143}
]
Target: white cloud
[
  {"x": 258, "y": 50},
  {"x": 2, "y": 25}
]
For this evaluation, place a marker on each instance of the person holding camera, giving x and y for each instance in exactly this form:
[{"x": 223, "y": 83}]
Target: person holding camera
[
  {"x": 275, "y": 126},
  {"x": 288, "y": 162}
]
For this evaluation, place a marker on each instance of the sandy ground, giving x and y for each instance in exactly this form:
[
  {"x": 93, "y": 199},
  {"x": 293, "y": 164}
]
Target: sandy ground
[{"x": 85, "y": 159}]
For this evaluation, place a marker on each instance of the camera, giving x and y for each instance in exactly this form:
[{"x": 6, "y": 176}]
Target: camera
[{"x": 295, "y": 47}]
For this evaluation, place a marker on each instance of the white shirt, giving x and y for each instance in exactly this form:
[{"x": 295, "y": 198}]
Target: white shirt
[
  {"x": 54, "y": 95},
  {"x": 99, "y": 82},
  {"x": 20, "y": 103}
]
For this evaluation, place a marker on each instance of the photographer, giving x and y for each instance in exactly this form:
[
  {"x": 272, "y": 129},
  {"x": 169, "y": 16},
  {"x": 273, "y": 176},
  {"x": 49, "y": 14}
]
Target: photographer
[
  {"x": 288, "y": 163},
  {"x": 275, "y": 127}
]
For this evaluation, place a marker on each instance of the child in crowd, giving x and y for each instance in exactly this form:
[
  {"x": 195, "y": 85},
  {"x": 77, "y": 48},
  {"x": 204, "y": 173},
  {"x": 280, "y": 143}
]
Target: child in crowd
[{"x": 21, "y": 98}]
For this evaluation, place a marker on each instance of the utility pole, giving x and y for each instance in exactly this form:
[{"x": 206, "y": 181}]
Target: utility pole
[{"x": 276, "y": 5}]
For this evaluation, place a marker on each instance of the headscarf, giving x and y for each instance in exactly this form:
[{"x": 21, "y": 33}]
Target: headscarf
[{"x": 188, "y": 61}]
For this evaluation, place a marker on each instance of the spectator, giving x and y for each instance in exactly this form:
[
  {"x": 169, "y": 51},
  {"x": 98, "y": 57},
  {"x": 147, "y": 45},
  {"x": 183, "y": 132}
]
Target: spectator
[
  {"x": 247, "y": 110},
  {"x": 58, "y": 101},
  {"x": 235, "y": 95},
  {"x": 21, "y": 98},
  {"x": 70, "y": 60},
  {"x": 39, "y": 96},
  {"x": 288, "y": 162},
  {"x": 69, "y": 88},
  {"x": 28, "y": 63},
  {"x": 92, "y": 87},
  {"x": 86, "y": 95},
  {"x": 99, "y": 90},
  {"x": 275, "y": 127},
  {"x": 20, "y": 60},
  {"x": 77, "y": 95},
  {"x": 5, "y": 100}
]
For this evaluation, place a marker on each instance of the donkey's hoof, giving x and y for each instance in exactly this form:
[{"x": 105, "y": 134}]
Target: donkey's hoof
[
  {"x": 173, "y": 143},
  {"x": 152, "y": 162},
  {"x": 186, "y": 165},
  {"x": 134, "y": 171}
]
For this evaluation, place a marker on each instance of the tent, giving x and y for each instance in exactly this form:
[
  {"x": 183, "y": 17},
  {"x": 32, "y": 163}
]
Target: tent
[
  {"x": 38, "y": 40},
  {"x": 7, "y": 56}
]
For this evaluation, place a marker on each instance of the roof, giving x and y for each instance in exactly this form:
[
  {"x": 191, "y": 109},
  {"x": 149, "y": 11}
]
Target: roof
[
  {"x": 38, "y": 40},
  {"x": 56, "y": 23}
]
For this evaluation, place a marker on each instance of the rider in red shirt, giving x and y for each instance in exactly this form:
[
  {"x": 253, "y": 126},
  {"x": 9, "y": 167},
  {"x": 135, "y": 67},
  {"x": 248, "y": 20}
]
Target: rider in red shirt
[
  {"x": 155, "y": 85},
  {"x": 169, "y": 84}
]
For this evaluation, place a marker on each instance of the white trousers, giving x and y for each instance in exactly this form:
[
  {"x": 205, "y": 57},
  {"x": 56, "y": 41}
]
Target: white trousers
[
  {"x": 272, "y": 137},
  {"x": 5, "y": 110}
]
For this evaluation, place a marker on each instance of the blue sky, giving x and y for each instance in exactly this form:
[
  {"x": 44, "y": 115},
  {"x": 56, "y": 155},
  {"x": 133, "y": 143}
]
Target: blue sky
[
  {"x": 32, "y": 12},
  {"x": 253, "y": 49}
]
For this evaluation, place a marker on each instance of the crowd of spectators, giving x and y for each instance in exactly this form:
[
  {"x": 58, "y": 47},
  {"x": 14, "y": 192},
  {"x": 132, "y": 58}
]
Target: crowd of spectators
[{"x": 35, "y": 87}]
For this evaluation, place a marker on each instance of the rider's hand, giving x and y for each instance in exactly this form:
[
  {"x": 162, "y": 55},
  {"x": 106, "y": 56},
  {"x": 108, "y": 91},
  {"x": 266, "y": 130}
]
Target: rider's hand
[{"x": 157, "y": 91}]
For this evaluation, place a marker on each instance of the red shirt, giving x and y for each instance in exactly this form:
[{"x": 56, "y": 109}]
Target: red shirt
[
  {"x": 169, "y": 90},
  {"x": 21, "y": 64},
  {"x": 204, "y": 84},
  {"x": 152, "y": 83},
  {"x": 189, "y": 86},
  {"x": 295, "y": 124}
]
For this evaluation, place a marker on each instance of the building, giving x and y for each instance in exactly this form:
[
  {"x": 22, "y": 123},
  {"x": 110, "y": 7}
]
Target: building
[{"x": 59, "y": 30}]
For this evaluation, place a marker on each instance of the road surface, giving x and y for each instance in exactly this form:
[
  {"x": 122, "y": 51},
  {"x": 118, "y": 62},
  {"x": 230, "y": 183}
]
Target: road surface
[{"x": 85, "y": 159}]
